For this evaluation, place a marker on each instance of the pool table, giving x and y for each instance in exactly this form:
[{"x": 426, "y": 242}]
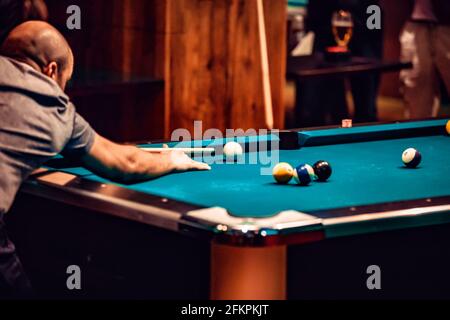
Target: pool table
[{"x": 233, "y": 233}]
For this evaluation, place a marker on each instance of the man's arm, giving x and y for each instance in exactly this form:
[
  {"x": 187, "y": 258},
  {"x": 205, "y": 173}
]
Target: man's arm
[{"x": 129, "y": 164}]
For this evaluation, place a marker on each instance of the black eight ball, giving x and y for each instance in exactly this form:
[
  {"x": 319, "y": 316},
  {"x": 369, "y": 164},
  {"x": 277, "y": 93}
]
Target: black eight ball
[{"x": 322, "y": 169}]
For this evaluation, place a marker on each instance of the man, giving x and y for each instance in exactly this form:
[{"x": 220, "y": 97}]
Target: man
[
  {"x": 425, "y": 41},
  {"x": 38, "y": 121},
  {"x": 14, "y": 12}
]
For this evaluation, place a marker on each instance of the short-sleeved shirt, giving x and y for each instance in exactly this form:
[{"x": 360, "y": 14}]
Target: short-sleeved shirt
[{"x": 37, "y": 122}]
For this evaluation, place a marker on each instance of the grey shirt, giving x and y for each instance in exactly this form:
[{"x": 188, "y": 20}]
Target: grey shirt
[{"x": 37, "y": 122}]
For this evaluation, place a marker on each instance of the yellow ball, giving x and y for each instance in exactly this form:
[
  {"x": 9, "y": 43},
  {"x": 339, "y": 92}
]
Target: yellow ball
[
  {"x": 447, "y": 127},
  {"x": 283, "y": 172}
]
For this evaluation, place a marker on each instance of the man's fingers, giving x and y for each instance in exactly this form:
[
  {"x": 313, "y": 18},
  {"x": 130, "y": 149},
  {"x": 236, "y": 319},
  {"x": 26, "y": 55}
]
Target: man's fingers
[{"x": 200, "y": 165}]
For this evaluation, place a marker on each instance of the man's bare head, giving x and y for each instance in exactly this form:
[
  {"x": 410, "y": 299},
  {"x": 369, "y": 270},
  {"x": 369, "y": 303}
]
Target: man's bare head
[{"x": 41, "y": 46}]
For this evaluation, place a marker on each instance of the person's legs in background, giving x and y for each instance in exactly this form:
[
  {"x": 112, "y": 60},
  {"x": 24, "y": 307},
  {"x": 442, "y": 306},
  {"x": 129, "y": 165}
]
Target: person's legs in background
[
  {"x": 365, "y": 92},
  {"x": 420, "y": 84},
  {"x": 320, "y": 102},
  {"x": 365, "y": 86},
  {"x": 13, "y": 281},
  {"x": 309, "y": 109},
  {"x": 368, "y": 44},
  {"x": 442, "y": 47},
  {"x": 335, "y": 102}
]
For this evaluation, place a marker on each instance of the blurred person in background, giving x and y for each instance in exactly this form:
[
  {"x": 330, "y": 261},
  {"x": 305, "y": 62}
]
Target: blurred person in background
[{"x": 425, "y": 41}]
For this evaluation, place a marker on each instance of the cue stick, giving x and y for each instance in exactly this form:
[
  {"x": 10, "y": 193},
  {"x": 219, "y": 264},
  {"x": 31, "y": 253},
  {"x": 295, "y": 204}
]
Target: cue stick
[
  {"x": 265, "y": 66},
  {"x": 185, "y": 150}
]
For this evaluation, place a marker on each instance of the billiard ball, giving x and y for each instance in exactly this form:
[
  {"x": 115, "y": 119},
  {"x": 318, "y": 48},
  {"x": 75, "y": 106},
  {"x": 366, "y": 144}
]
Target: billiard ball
[
  {"x": 323, "y": 170},
  {"x": 232, "y": 150},
  {"x": 283, "y": 172},
  {"x": 411, "y": 157},
  {"x": 447, "y": 127},
  {"x": 304, "y": 174}
]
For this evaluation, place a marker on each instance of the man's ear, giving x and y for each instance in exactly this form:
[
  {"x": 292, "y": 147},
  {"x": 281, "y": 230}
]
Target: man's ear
[{"x": 51, "y": 70}]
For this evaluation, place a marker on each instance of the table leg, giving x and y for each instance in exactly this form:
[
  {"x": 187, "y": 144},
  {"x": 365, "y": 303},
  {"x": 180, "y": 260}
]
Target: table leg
[{"x": 243, "y": 273}]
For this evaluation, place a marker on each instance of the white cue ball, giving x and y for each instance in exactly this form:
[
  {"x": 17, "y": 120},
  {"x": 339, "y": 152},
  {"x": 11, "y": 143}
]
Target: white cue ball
[{"x": 232, "y": 149}]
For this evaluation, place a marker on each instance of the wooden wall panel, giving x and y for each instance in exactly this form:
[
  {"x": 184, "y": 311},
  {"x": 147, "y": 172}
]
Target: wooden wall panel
[
  {"x": 215, "y": 67},
  {"x": 118, "y": 35},
  {"x": 245, "y": 77},
  {"x": 197, "y": 76},
  {"x": 125, "y": 37},
  {"x": 276, "y": 17},
  {"x": 207, "y": 52}
]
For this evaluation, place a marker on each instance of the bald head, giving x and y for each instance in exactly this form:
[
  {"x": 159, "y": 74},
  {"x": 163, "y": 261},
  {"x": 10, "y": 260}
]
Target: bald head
[{"x": 41, "y": 46}]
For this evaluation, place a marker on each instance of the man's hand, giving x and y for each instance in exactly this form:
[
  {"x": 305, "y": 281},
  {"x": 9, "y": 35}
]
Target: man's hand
[
  {"x": 130, "y": 164},
  {"x": 181, "y": 162}
]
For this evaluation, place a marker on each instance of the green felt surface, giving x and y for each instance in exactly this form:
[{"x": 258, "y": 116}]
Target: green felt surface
[
  {"x": 382, "y": 130},
  {"x": 378, "y": 128},
  {"x": 363, "y": 173}
]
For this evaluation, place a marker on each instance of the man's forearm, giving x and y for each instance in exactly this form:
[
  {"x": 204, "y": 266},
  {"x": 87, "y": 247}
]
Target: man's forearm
[
  {"x": 130, "y": 164},
  {"x": 125, "y": 163}
]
